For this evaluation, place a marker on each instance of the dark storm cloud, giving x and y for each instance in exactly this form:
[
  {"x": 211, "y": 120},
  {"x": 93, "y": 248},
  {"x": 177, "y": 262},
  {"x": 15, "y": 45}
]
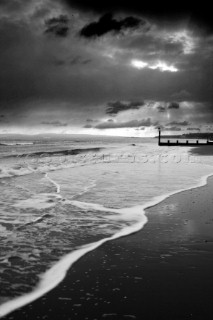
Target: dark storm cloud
[
  {"x": 171, "y": 129},
  {"x": 161, "y": 109},
  {"x": 107, "y": 24},
  {"x": 115, "y": 107},
  {"x": 91, "y": 120},
  {"x": 128, "y": 124},
  {"x": 160, "y": 10},
  {"x": 50, "y": 77},
  {"x": 135, "y": 104},
  {"x": 178, "y": 123},
  {"x": 173, "y": 105},
  {"x": 28, "y": 72},
  {"x": 57, "y": 26},
  {"x": 193, "y": 129},
  {"x": 88, "y": 126},
  {"x": 54, "y": 123}
]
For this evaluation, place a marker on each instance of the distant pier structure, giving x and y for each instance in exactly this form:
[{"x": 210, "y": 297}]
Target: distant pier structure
[{"x": 181, "y": 143}]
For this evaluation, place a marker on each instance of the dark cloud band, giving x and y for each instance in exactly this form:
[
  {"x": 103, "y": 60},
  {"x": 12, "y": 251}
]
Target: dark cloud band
[
  {"x": 54, "y": 123},
  {"x": 57, "y": 26},
  {"x": 128, "y": 124},
  {"x": 115, "y": 107},
  {"x": 173, "y": 105},
  {"x": 197, "y": 13},
  {"x": 180, "y": 123},
  {"x": 108, "y": 24}
]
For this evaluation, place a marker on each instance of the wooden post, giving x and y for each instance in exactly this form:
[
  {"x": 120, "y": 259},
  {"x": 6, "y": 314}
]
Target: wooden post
[{"x": 159, "y": 136}]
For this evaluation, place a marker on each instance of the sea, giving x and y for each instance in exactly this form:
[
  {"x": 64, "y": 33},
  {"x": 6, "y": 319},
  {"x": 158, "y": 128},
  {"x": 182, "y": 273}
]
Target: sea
[{"x": 62, "y": 196}]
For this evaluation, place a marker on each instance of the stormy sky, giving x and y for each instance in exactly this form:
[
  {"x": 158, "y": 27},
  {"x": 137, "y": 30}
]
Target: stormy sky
[{"x": 106, "y": 67}]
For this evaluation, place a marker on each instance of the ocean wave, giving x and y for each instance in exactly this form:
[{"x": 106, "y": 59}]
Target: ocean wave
[
  {"x": 43, "y": 162},
  {"x": 39, "y": 201},
  {"x": 13, "y": 172},
  {"x": 66, "y": 152}
]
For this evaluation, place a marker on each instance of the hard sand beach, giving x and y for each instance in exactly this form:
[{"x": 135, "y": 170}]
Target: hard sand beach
[{"x": 163, "y": 271}]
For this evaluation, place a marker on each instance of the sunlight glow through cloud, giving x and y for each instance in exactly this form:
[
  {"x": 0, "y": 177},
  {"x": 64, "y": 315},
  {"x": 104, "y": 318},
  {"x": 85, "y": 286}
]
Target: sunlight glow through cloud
[
  {"x": 162, "y": 66},
  {"x": 139, "y": 64}
]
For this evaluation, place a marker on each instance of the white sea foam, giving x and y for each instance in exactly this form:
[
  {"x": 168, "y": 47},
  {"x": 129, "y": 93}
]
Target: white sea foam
[
  {"x": 38, "y": 201},
  {"x": 33, "y": 221},
  {"x": 56, "y": 274},
  {"x": 51, "y": 278},
  {"x": 13, "y": 172},
  {"x": 86, "y": 188},
  {"x": 58, "y": 188}
]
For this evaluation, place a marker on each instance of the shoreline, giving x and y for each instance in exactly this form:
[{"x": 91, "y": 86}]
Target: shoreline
[{"x": 60, "y": 274}]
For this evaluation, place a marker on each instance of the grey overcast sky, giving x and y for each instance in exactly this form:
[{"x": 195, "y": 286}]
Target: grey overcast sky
[{"x": 105, "y": 67}]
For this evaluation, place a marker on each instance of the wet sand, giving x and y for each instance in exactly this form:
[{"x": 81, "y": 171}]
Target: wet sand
[
  {"x": 202, "y": 151},
  {"x": 165, "y": 271}
]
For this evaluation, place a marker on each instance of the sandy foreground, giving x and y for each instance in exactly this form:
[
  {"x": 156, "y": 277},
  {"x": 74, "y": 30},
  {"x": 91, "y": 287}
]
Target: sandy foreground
[{"x": 165, "y": 271}]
